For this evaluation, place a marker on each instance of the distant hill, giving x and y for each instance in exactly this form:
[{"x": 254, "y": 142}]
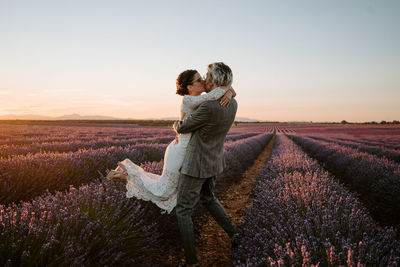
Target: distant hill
[
  {"x": 25, "y": 117},
  {"x": 244, "y": 119},
  {"x": 76, "y": 116}
]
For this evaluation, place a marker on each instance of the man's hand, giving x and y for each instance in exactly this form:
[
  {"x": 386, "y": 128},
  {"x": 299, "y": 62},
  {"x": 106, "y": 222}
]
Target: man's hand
[
  {"x": 226, "y": 99},
  {"x": 175, "y": 126}
]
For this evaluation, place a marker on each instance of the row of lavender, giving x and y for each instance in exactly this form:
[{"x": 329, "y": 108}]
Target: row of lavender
[
  {"x": 302, "y": 216},
  {"x": 18, "y": 135},
  {"x": 48, "y": 142},
  {"x": 378, "y": 150},
  {"x": 9, "y": 150},
  {"x": 239, "y": 156},
  {"x": 376, "y": 179},
  {"x": 96, "y": 224},
  {"x": 377, "y": 141},
  {"x": 24, "y": 177}
]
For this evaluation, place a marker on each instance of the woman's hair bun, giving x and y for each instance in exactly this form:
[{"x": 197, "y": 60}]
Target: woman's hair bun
[{"x": 184, "y": 79}]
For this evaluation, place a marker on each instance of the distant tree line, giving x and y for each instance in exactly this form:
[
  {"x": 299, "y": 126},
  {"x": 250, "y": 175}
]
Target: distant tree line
[{"x": 374, "y": 122}]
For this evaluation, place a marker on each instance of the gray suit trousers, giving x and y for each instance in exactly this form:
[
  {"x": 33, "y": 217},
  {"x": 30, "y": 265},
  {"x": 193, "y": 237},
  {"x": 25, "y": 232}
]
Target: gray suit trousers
[{"x": 190, "y": 191}]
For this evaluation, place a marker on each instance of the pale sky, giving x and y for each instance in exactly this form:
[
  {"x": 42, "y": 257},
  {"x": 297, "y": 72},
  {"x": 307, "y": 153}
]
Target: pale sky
[{"x": 291, "y": 60}]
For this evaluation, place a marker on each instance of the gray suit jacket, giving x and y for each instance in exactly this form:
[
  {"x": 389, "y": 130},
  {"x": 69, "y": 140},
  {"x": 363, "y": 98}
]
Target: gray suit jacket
[{"x": 209, "y": 125}]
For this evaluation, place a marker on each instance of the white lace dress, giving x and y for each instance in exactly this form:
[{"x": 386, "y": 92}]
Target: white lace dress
[{"x": 162, "y": 189}]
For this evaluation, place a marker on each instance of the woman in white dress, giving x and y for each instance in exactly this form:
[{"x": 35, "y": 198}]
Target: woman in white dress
[{"x": 162, "y": 189}]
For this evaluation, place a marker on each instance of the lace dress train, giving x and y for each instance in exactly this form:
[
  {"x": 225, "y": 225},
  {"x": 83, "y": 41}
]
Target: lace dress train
[{"x": 161, "y": 189}]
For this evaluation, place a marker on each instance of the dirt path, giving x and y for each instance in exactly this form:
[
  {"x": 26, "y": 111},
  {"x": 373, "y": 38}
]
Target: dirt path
[{"x": 213, "y": 244}]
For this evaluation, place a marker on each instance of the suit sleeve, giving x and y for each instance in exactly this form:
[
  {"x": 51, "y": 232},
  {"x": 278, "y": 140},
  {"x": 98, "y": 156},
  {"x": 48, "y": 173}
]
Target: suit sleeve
[{"x": 197, "y": 120}]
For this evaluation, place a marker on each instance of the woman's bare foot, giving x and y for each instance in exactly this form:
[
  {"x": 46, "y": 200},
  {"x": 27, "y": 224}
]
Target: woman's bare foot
[
  {"x": 114, "y": 174},
  {"x": 121, "y": 167}
]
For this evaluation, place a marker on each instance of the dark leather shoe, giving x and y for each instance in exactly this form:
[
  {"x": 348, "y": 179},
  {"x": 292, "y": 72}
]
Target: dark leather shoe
[{"x": 235, "y": 242}]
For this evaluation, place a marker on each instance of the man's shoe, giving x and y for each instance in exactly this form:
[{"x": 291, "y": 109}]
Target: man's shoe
[{"x": 235, "y": 242}]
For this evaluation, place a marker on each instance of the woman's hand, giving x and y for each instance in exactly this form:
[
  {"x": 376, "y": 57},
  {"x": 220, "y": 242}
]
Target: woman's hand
[
  {"x": 233, "y": 91},
  {"x": 175, "y": 127},
  {"x": 226, "y": 98}
]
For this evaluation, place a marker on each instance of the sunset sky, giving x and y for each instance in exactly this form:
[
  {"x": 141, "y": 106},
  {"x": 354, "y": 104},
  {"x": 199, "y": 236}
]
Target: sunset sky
[{"x": 291, "y": 60}]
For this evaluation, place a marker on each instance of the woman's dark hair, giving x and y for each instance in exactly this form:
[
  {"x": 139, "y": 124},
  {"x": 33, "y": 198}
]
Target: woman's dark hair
[{"x": 184, "y": 79}]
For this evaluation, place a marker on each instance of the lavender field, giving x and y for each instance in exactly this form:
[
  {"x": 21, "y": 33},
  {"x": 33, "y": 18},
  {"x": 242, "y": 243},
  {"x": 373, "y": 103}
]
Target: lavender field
[{"x": 328, "y": 195}]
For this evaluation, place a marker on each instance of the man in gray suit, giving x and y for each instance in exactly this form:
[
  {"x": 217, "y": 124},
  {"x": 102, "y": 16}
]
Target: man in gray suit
[{"x": 204, "y": 160}]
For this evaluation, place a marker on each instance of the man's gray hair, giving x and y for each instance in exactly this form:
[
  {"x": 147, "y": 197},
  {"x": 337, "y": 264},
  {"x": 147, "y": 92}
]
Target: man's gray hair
[{"x": 221, "y": 74}]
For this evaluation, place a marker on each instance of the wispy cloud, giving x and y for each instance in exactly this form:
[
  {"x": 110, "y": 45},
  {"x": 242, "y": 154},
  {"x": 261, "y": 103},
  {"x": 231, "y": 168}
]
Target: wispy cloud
[
  {"x": 57, "y": 91},
  {"x": 32, "y": 94},
  {"x": 23, "y": 108}
]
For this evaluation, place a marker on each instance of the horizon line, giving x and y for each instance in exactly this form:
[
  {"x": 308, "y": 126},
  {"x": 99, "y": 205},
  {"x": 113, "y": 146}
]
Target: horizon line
[{"x": 111, "y": 118}]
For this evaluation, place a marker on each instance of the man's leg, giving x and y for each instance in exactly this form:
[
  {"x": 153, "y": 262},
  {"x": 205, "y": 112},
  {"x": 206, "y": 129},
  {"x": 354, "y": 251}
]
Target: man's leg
[
  {"x": 188, "y": 195},
  {"x": 213, "y": 205}
]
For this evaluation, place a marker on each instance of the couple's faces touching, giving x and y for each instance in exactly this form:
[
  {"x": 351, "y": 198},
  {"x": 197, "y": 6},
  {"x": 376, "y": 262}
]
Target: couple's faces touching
[
  {"x": 197, "y": 86},
  {"x": 201, "y": 84},
  {"x": 208, "y": 84}
]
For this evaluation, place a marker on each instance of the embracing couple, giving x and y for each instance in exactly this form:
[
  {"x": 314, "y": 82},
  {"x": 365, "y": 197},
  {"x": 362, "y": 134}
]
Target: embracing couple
[{"x": 194, "y": 159}]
